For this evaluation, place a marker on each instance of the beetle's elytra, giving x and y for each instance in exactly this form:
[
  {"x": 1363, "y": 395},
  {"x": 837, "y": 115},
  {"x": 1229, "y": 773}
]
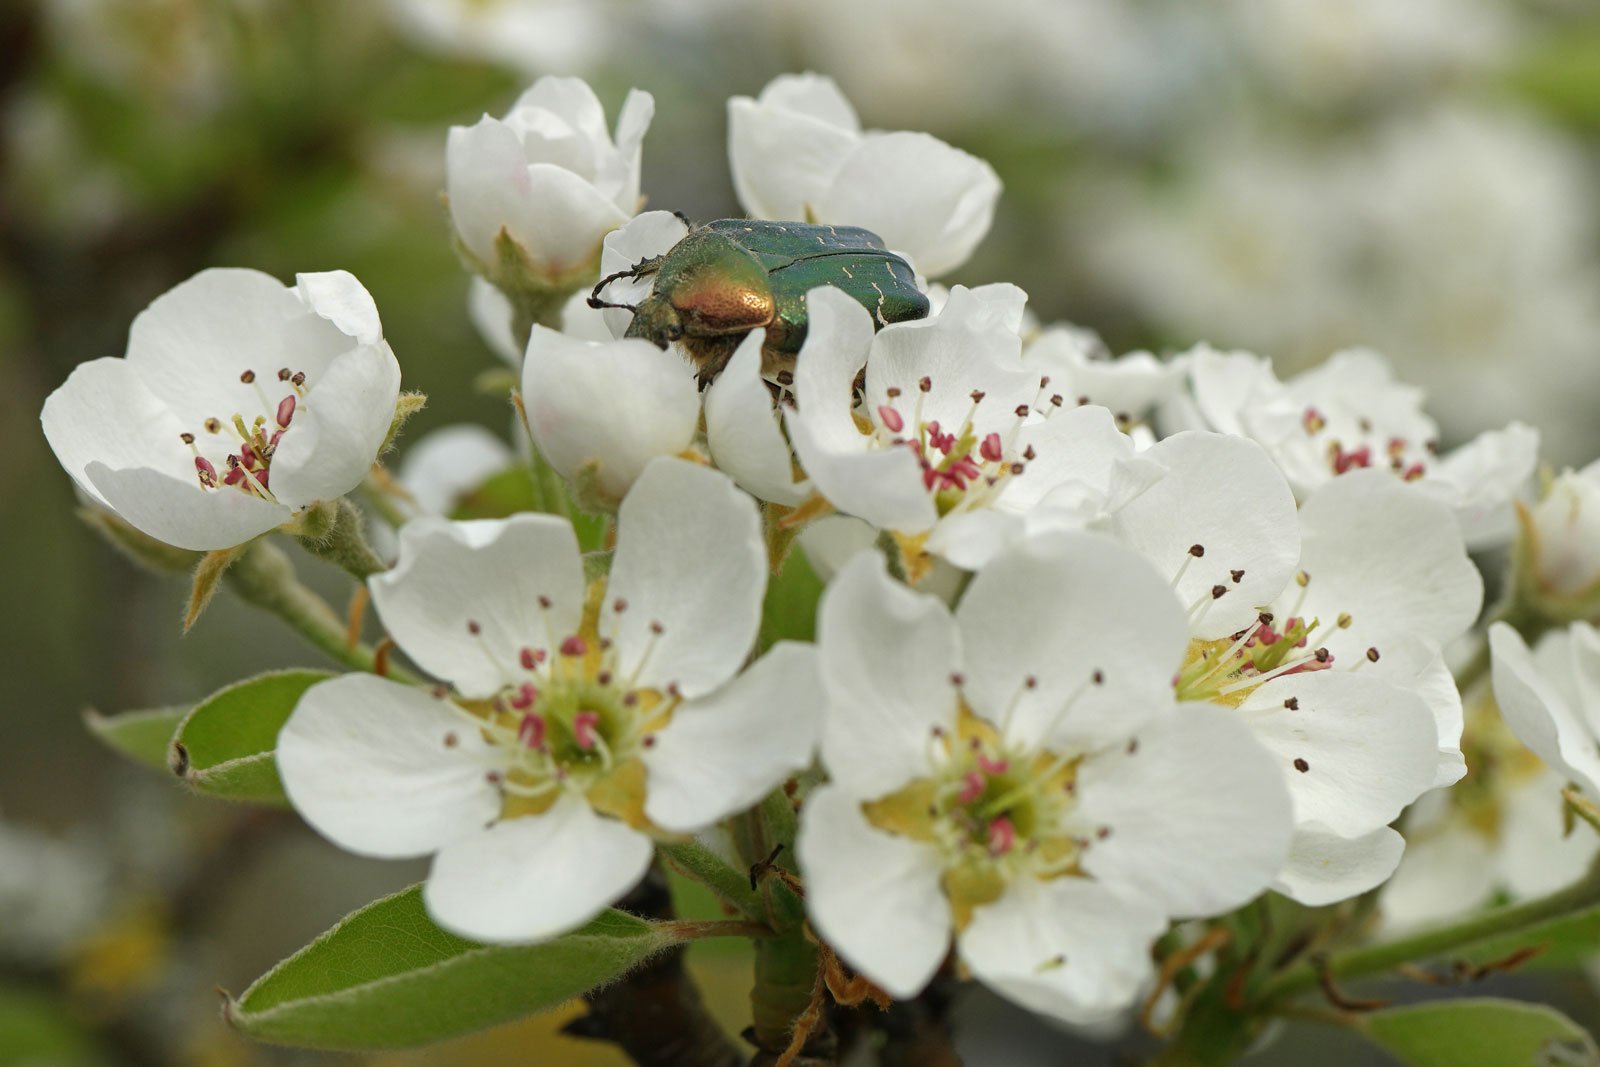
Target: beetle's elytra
[{"x": 731, "y": 276}]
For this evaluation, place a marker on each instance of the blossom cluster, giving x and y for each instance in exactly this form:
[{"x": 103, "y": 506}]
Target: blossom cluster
[{"x": 1105, "y": 643}]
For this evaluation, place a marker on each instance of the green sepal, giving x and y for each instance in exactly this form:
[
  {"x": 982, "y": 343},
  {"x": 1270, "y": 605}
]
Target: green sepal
[
  {"x": 406, "y": 406},
  {"x": 143, "y": 736},
  {"x": 224, "y": 747},
  {"x": 388, "y": 977},
  {"x": 1480, "y": 1032}
]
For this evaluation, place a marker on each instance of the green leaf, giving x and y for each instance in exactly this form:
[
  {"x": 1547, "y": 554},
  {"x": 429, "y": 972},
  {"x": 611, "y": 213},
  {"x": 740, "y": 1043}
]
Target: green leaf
[
  {"x": 789, "y": 612},
  {"x": 224, "y": 747},
  {"x": 143, "y": 736},
  {"x": 505, "y": 493},
  {"x": 1481, "y": 1032},
  {"x": 387, "y": 977},
  {"x": 36, "y": 1028}
]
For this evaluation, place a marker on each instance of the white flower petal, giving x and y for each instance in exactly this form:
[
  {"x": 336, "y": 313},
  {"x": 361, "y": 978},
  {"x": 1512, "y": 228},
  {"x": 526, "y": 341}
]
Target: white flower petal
[
  {"x": 366, "y": 762},
  {"x": 725, "y": 751},
  {"x": 1225, "y": 495},
  {"x": 1480, "y": 479},
  {"x": 537, "y": 876},
  {"x": 618, "y": 404},
  {"x": 1537, "y": 711},
  {"x": 873, "y": 897},
  {"x": 338, "y": 427},
  {"x": 103, "y": 412},
  {"x": 692, "y": 564},
  {"x": 489, "y": 572},
  {"x": 1419, "y": 666},
  {"x": 444, "y": 465},
  {"x": 1069, "y": 948},
  {"x": 1058, "y": 609},
  {"x": 1539, "y": 853},
  {"x": 1390, "y": 558},
  {"x": 1354, "y": 748},
  {"x": 1228, "y": 383},
  {"x": 491, "y": 313},
  {"x": 644, "y": 237},
  {"x": 1325, "y": 868},
  {"x": 1194, "y": 816},
  {"x": 1444, "y": 874},
  {"x": 742, "y": 429},
  {"x": 565, "y": 219},
  {"x": 180, "y": 512},
  {"x": 887, "y": 657},
  {"x": 337, "y": 296},
  {"x": 486, "y": 179},
  {"x": 785, "y": 146},
  {"x": 929, "y": 201}
]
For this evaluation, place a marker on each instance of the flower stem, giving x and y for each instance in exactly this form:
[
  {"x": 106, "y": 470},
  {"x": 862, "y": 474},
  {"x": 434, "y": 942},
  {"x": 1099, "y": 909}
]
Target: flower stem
[
  {"x": 264, "y": 576},
  {"x": 1372, "y": 960},
  {"x": 344, "y": 544},
  {"x": 711, "y": 870}
]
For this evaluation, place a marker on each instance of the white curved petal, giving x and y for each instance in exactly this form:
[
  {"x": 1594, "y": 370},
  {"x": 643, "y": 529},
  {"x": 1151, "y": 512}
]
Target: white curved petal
[
  {"x": 181, "y": 513},
  {"x": 1445, "y": 873},
  {"x": 1057, "y": 609},
  {"x": 565, "y": 218},
  {"x": 691, "y": 564},
  {"x": 1355, "y": 749},
  {"x": 927, "y": 200},
  {"x": 785, "y": 147},
  {"x": 384, "y": 769},
  {"x": 838, "y": 339},
  {"x": 887, "y": 656},
  {"x": 103, "y": 412},
  {"x": 643, "y": 237},
  {"x": 444, "y": 465},
  {"x": 1537, "y": 853},
  {"x": 1080, "y": 447},
  {"x": 618, "y": 404},
  {"x": 725, "y": 751},
  {"x": 873, "y": 897},
  {"x": 193, "y": 342},
  {"x": 537, "y": 876},
  {"x": 833, "y": 541},
  {"x": 1224, "y": 494},
  {"x": 1324, "y": 868},
  {"x": 491, "y": 313},
  {"x": 1480, "y": 479},
  {"x": 1390, "y": 558},
  {"x": 338, "y": 428},
  {"x": 337, "y": 296},
  {"x": 1193, "y": 817},
  {"x": 1069, "y": 948},
  {"x": 489, "y": 572},
  {"x": 970, "y": 539},
  {"x": 1418, "y": 665},
  {"x": 1228, "y": 383},
  {"x": 486, "y": 178},
  {"x": 742, "y": 429},
  {"x": 1539, "y": 713}
]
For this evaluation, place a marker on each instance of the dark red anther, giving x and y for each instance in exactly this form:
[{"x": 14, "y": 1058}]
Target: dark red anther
[
  {"x": 530, "y": 732},
  {"x": 234, "y": 476},
  {"x": 990, "y": 449},
  {"x": 285, "y": 411},
  {"x": 574, "y": 646},
  {"x": 890, "y": 418},
  {"x": 524, "y": 697}
]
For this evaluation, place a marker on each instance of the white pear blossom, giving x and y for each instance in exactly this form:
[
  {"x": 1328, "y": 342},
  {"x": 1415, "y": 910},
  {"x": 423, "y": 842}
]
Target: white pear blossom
[
  {"x": 1350, "y": 413},
  {"x": 571, "y": 736},
  {"x": 1323, "y": 627},
  {"x": 548, "y": 178},
  {"x": 643, "y": 238},
  {"x": 1081, "y": 367},
  {"x": 798, "y": 152},
  {"x": 240, "y": 402},
  {"x": 1559, "y": 550},
  {"x": 1018, "y": 776},
  {"x": 444, "y": 465},
  {"x": 744, "y": 430},
  {"x": 1550, "y": 697},
  {"x": 530, "y": 36},
  {"x": 602, "y": 410},
  {"x": 955, "y": 443}
]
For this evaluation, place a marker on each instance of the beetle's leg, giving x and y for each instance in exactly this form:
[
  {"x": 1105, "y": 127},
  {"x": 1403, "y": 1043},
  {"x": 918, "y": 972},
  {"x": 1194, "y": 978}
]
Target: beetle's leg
[{"x": 644, "y": 266}]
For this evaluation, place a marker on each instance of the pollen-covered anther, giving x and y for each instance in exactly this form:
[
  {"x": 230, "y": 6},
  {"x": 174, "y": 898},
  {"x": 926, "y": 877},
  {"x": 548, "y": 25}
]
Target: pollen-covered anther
[
  {"x": 531, "y": 731},
  {"x": 891, "y": 419},
  {"x": 1002, "y": 836},
  {"x": 586, "y": 730},
  {"x": 574, "y": 645}
]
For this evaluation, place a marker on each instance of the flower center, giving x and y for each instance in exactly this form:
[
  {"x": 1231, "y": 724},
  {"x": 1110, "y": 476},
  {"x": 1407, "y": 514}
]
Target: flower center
[
  {"x": 996, "y": 813},
  {"x": 959, "y": 469},
  {"x": 248, "y": 466},
  {"x": 1351, "y": 443},
  {"x": 567, "y": 718}
]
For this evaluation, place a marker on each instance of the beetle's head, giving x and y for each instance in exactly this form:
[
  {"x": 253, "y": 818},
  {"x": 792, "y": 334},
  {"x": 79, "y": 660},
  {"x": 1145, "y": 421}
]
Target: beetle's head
[{"x": 657, "y": 321}]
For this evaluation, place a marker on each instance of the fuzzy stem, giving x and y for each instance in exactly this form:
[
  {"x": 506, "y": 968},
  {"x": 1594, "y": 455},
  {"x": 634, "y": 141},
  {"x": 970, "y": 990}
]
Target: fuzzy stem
[
  {"x": 706, "y": 867},
  {"x": 344, "y": 544},
  {"x": 264, "y": 576},
  {"x": 1426, "y": 944}
]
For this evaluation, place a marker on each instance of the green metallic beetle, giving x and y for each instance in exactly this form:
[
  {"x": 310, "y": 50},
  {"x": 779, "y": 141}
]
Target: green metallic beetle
[{"x": 731, "y": 276}]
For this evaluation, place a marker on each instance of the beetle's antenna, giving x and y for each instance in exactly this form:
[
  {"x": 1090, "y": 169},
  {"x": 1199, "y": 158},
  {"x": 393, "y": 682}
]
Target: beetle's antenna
[
  {"x": 681, "y": 217},
  {"x": 594, "y": 294}
]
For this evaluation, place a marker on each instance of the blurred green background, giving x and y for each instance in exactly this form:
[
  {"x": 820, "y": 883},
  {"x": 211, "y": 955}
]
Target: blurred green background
[{"x": 1286, "y": 175}]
